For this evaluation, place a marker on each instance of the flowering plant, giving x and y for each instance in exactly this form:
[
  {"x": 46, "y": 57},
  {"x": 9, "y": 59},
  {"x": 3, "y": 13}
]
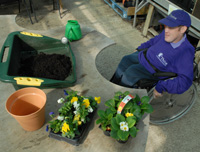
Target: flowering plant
[
  {"x": 123, "y": 124},
  {"x": 73, "y": 114}
]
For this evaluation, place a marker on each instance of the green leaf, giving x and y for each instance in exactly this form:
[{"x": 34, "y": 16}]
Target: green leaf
[
  {"x": 99, "y": 121},
  {"x": 124, "y": 111},
  {"x": 116, "y": 98},
  {"x": 126, "y": 93},
  {"x": 101, "y": 113},
  {"x": 110, "y": 103},
  {"x": 56, "y": 130},
  {"x": 113, "y": 134},
  {"x": 137, "y": 98},
  {"x": 135, "y": 107},
  {"x": 118, "y": 104},
  {"x": 128, "y": 105},
  {"x": 120, "y": 118},
  {"x": 123, "y": 135},
  {"x": 147, "y": 108},
  {"x": 142, "y": 113},
  {"x": 137, "y": 113},
  {"x": 114, "y": 124},
  {"x": 133, "y": 131},
  {"x": 103, "y": 127},
  {"x": 144, "y": 106},
  {"x": 113, "y": 109},
  {"x": 145, "y": 99},
  {"x": 108, "y": 111},
  {"x": 119, "y": 93},
  {"x": 131, "y": 121},
  {"x": 109, "y": 117}
]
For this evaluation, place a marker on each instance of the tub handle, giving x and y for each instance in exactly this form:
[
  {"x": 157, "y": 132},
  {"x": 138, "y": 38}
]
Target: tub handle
[
  {"x": 28, "y": 81},
  {"x": 4, "y": 53},
  {"x": 31, "y": 34}
]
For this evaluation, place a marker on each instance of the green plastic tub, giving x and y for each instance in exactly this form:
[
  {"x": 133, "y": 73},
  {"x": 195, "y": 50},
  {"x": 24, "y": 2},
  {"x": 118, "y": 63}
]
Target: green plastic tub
[{"x": 23, "y": 44}]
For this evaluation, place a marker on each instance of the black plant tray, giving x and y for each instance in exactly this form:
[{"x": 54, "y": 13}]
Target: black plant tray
[{"x": 77, "y": 140}]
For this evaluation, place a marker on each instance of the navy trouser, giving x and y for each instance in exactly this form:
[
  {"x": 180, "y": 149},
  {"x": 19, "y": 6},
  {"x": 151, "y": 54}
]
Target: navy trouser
[{"x": 129, "y": 71}]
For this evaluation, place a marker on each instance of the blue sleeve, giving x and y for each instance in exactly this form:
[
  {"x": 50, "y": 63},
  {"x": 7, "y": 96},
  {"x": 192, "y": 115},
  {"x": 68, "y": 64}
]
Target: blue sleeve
[
  {"x": 151, "y": 42},
  {"x": 177, "y": 85},
  {"x": 183, "y": 81}
]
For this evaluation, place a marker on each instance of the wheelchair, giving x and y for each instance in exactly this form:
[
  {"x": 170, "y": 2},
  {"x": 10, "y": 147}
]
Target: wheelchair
[{"x": 170, "y": 107}]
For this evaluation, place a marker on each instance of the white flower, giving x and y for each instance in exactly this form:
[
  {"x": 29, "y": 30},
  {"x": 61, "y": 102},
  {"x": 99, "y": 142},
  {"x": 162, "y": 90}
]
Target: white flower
[
  {"x": 122, "y": 123},
  {"x": 61, "y": 100},
  {"x": 124, "y": 128},
  {"x": 90, "y": 109},
  {"x": 82, "y": 119},
  {"x": 75, "y": 112},
  {"x": 76, "y": 105},
  {"x": 60, "y": 118}
]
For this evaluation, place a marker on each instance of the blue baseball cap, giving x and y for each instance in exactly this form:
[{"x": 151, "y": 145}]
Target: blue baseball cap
[{"x": 177, "y": 18}]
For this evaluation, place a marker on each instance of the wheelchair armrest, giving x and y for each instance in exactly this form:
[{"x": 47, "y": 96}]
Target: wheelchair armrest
[
  {"x": 149, "y": 83},
  {"x": 165, "y": 74},
  {"x": 146, "y": 83}
]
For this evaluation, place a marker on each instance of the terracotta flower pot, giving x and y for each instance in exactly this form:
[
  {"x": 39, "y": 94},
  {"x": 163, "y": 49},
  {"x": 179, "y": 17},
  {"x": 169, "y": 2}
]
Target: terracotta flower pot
[{"x": 27, "y": 106}]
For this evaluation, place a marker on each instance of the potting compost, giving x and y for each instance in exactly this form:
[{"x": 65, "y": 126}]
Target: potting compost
[{"x": 51, "y": 66}]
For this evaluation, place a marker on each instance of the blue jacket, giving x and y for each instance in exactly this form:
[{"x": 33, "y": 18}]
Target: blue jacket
[{"x": 168, "y": 59}]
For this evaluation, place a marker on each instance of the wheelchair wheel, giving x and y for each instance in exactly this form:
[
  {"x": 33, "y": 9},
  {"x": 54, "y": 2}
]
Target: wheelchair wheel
[{"x": 171, "y": 107}]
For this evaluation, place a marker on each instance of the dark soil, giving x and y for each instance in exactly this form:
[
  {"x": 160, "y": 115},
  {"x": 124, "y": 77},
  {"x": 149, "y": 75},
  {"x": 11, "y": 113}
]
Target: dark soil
[{"x": 51, "y": 66}]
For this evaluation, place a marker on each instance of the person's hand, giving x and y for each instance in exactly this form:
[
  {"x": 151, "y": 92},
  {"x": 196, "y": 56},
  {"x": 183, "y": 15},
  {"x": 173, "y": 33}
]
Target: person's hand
[
  {"x": 135, "y": 51},
  {"x": 156, "y": 94}
]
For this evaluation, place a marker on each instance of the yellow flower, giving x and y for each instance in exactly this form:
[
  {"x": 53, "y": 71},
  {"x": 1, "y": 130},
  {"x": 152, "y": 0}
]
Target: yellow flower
[
  {"x": 77, "y": 117},
  {"x": 86, "y": 102},
  {"x": 129, "y": 114},
  {"x": 74, "y": 99},
  {"x": 79, "y": 122},
  {"x": 97, "y": 99},
  {"x": 65, "y": 128}
]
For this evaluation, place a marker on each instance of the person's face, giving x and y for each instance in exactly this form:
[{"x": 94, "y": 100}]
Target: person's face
[{"x": 174, "y": 34}]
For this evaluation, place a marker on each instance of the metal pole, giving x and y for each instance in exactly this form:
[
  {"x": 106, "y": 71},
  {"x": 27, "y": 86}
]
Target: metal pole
[
  {"x": 141, "y": 5},
  {"x": 135, "y": 15},
  {"x": 29, "y": 14}
]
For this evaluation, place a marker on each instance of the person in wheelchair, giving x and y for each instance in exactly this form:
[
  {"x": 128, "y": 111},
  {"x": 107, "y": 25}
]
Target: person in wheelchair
[{"x": 170, "y": 51}]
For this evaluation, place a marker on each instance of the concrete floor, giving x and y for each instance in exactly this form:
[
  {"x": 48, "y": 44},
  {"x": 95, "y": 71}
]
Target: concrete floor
[{"x": 179, "y": 136}]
